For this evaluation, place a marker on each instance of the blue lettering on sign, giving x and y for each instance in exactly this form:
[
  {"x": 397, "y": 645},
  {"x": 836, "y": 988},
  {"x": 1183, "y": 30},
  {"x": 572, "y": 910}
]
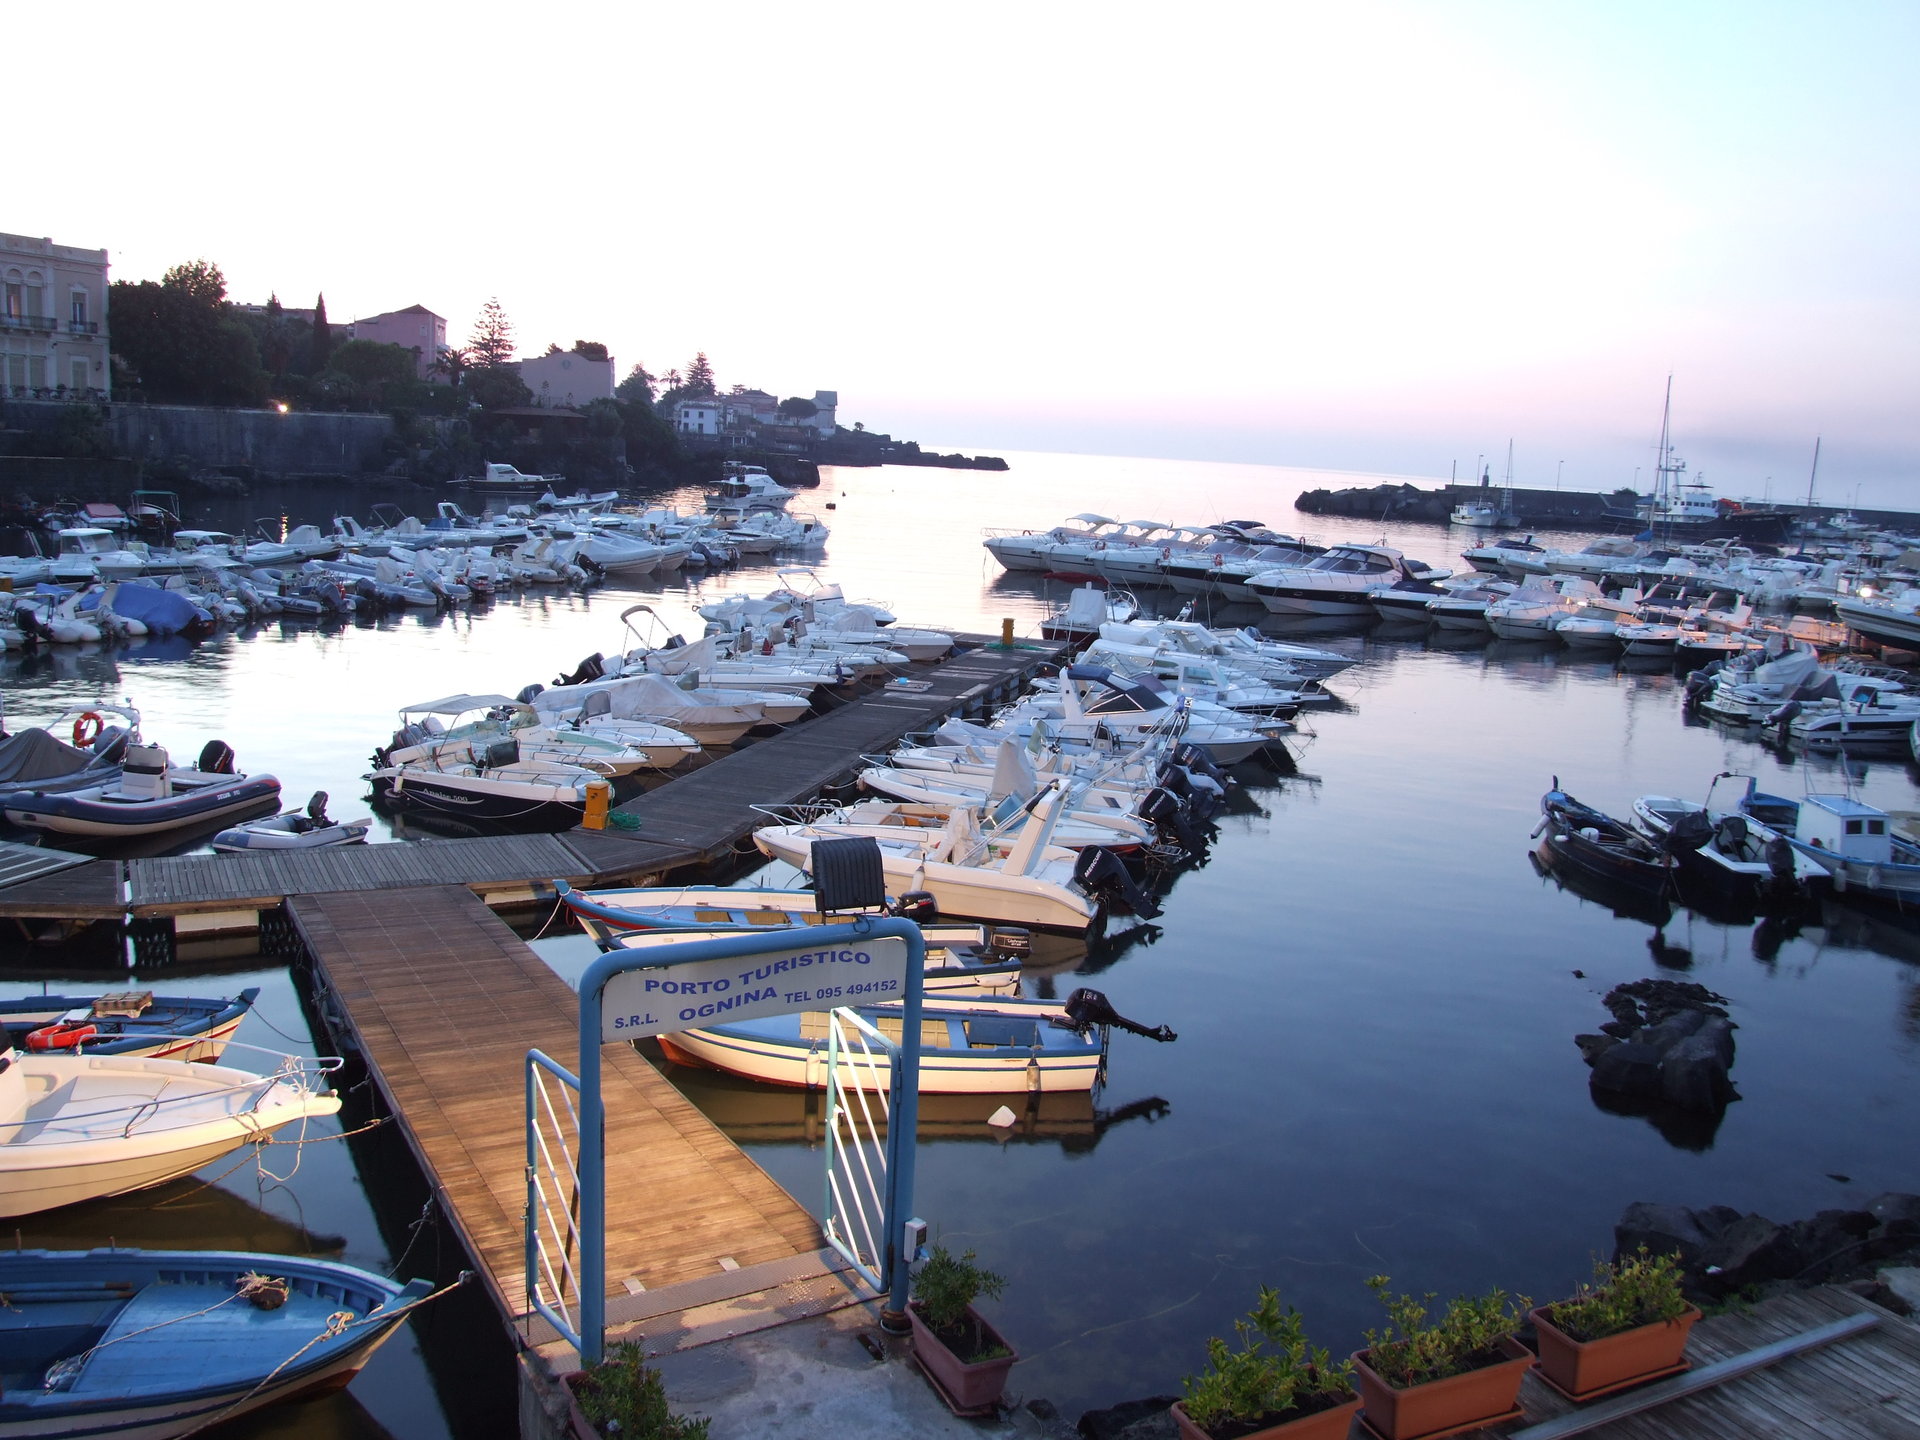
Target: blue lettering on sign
[
  {"x": 804, "y": 960},
  {"x": 720, "y": 1007},
  {"x": 688, "y": 987},
  {"x": 628, "y": 1022}
]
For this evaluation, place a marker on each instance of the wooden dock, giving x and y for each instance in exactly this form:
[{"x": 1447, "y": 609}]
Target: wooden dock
[
  {"x": 692, "y": 820},
  {"x": 1866, "y": 1387},
  {"x": 444, "y": 1001}
]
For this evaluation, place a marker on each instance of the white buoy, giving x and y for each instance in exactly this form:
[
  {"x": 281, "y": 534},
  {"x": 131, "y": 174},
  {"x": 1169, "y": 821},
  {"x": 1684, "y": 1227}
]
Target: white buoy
[{"x": 1003, "y": 1117}]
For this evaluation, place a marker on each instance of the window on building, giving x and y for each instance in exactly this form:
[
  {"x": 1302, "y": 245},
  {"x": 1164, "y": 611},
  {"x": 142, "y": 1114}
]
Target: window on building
[
  {"x": 79, "y": 307},
  {"x": 77, "y": 374},
  {"x": 37, "y": 371},
  {"x": 15, "y": 297},
  {"x": 16, "y": 372}
]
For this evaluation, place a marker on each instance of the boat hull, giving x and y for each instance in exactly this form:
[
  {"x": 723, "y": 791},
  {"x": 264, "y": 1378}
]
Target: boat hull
[{"x": 86, "y": 814}]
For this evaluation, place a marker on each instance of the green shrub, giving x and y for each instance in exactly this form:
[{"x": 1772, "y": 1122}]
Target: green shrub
[
  {"x": 1274, "y": 1370},
  {"x": 946, "y": 1285},
  {"x": 1643, "y": 1289},
  {"x": 623, "y": 1396},
  {"x": 1413, "y": 1350}
]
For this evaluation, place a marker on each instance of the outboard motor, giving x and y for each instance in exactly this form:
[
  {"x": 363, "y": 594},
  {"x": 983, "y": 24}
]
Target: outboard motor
[
  {"x": 1101, "y": 877},
  {"x": 1690, "y": 832},
  {"x": 1169, "y": 815},
  {"x": 1783, "y": 718},
  {"x": 1087, "y": 1008},
  {"x": 591, "y": 668},
  {"x": 317, "y": 810},
  {"x": 1698, "y": 683},
  {"x": 1780, "y": 861},
  {"x": 527, "y": 692},
  {"x": 1012, "y": 941},
  {"x": 216, "y": 758},
  {"x": 1192, "y": 757},
  {"x": 918, "y": 906}
]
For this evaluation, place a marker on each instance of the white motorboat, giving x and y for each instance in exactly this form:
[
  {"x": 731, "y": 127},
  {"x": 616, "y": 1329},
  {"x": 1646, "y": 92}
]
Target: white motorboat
[
  {"x": 1279, "y": 661},
  {"x": 1502, "y": 556},
  {"x": 467, "y": 725},
  {"x": 750, "y": 486},
  {"x": 1089, "y": 699},
  {"x": 487, "y": 786},
  {"x": 709, "y": 717},
  {"x": 1336, "y": 583},
  {"x": 82, "y": 1127},
  {"x": 1028, "y": 550},
  {"x": 504, "y": 478}
]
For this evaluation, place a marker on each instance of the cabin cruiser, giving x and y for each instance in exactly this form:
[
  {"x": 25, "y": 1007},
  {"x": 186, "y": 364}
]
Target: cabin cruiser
[
  {"x": 751, "y": 486},
  {"x": 1504, "y": 556},
  {"x": 467, "y": 722},
  {"x": 1026, "y": 550},
  {"x": 1228, "y": 567},
  {"x": 1337, "y": 582}
]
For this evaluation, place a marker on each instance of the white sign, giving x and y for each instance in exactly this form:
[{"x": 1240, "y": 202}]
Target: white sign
[{"x": 659, "y": 1001}]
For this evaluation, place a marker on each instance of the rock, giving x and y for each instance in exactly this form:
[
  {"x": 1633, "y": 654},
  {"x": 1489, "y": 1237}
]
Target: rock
[
  {"x": 1619, "y": 1029},
  {"x": 1043, "y": 1409},
  {"x": 1672, "y": 1030},
  {"x": 1628, "y": 1069},
  {"x": 1896, "y": 1212},
  {"x": 1749, "y": 1251},
  {"x": 1665, "y": 1230},
  {"x": 1832, "y": 1242},
  {"x": 1592, "y": 1047},
  {"x": 1904, "y": 1282},
  {"x": 1719, "y": 1030},
  {"x": 1117, "y": 1421},
  {"x": 1693, "y": 1076}
]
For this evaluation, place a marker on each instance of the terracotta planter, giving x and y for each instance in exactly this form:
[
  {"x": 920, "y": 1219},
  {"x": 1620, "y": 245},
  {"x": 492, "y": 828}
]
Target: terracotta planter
[
  {"x": 1443, "y": 1407},
  {"x": 1581, "y": 1368},
  {"x": 1329, "y": 1424},
  {"x": 975, "y": 1386},
  {"x": 578, "y": 1426}
]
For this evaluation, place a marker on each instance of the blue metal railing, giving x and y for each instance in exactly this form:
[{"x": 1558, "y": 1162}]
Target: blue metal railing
[{"x": 553, "y": 1207}]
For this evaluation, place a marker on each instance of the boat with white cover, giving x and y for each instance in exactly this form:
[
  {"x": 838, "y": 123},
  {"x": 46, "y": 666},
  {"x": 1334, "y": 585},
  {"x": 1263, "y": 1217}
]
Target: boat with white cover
[{"x": 82, "y": 1127}]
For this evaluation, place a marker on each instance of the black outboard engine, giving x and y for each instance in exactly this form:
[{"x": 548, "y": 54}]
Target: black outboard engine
[
  {"x": 317, "y": 810},
  {"x": 1087, "y": 1008},
  {"x": 1780, "y": 862},
  {"x": 590, "y": 668},
  {"x": 216, "y": 758},
  {"x": 1192, "y": 757},
  {"x": 918, "y": 906},
  {"x": 1690, "y": 831},
  {"x": 1102, "y": 878},
  {"x": 1170, "y": 815},
  {"x": 527, "y": 692},
  {"x": 1698, "y": 683},
  {"x": 1783, "y": 718}
]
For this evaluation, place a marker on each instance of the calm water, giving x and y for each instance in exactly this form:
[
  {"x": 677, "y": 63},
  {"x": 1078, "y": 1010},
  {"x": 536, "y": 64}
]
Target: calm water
[{"x": 1376, "y": 994}]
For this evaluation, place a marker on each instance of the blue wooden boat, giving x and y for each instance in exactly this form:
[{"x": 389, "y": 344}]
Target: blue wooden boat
[
  {"x": 147, "y": 1344},
  {"x": 129, "y": 1022}
]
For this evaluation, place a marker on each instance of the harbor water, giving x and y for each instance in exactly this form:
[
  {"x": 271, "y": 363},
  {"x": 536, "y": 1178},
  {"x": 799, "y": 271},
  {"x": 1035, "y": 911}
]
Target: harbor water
[{"x": 1375, "y": 990}]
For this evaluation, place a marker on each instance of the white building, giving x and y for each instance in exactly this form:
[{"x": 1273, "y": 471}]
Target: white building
[
  {"x": 53, "y": 319},
  {"x": 825, "y": 403},
  {"x": 568, "y": 378},
  {"x": 700, "y": 415}
]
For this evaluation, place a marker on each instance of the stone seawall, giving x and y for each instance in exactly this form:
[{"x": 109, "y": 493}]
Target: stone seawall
[{"x": 263, "y": 441}]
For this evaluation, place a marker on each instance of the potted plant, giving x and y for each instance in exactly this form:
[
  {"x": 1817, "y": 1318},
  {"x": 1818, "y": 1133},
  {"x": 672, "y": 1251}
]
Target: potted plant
[
  {"x": 1629, "y": 1324},
  {"x": 1456, "y": 1371},
  {"x": 624, "y": 1396},
  {"x": 1274, "y": 1385},
  {"x": 963, "y": 1355}
]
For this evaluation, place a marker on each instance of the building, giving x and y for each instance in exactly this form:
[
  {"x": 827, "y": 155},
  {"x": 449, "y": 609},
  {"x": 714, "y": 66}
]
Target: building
[
  {"x": 825, "y": 402},
  {"x": 700, "y": 415},
  {"x": 568, "y": 378},
  {"x": 750, "y": 407},
  {"x": 415, "y": 328},
  {"x": 53, "y": 320}
]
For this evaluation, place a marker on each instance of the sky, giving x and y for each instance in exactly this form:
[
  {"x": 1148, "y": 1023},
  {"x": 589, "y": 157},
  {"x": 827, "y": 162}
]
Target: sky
[{"x": 1377, "y": 236}]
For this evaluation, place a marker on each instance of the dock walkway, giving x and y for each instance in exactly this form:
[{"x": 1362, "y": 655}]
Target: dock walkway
[
  {"x": 443, "y": 1001},
  {"x": 691, "y": 820}
]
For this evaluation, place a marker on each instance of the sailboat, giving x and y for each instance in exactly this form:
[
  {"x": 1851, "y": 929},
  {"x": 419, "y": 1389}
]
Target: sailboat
[{"x": 1684, "y": 510}]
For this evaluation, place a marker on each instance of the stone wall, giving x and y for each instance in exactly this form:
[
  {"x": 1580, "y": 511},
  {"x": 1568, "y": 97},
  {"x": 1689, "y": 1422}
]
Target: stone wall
[{"x": 262, "y": 441}]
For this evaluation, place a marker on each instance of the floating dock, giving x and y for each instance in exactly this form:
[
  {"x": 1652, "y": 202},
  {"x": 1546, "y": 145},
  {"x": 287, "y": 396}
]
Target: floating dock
[{"x": 691, "y": 820}]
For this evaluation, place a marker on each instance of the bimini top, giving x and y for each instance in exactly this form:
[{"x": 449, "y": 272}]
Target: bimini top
[
  {"x": 1123, "y": 696},
  {"x": 457, "y": 705}
]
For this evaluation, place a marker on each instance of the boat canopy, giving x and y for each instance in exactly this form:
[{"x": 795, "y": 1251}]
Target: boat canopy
[{"x": 458, "y": 704}]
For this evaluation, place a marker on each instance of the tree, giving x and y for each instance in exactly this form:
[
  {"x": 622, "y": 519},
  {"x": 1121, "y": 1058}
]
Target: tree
[
  {"x": 452, "y": 363},
  {"x": 276, "y": 339},
  {"x": 374, "y": 370},
  {"x": 199, "y": 279},
  {"x": 796, "y": 408},
  {"x": 636, "y": 389},
  {"x": 321, "y": 350},
  {"x": 699, "y": 379},
  {"x": 490, "y": 346},
  {"x": 590, "y": 350},
  {"x": 183, "y": 342},
  {"x": 553, "y": 348},
  {"x": 497, "y": 387}
]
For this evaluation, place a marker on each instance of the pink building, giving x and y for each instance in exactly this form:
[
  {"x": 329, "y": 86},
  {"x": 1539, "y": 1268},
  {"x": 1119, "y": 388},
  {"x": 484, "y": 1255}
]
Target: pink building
[{"x": 415, "y": 328}]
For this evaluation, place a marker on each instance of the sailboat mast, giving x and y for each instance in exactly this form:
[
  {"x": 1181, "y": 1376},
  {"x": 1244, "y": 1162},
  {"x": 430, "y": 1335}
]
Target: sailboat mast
[{"x": 1814, "y": 472}]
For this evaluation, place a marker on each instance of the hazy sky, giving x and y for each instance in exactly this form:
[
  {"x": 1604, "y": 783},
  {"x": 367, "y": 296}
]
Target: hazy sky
[{"x": 1381, "y": 236}]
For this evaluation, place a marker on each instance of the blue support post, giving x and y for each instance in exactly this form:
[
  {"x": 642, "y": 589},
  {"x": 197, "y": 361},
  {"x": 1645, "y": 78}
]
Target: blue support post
[{"x": 901, "y": 1130}]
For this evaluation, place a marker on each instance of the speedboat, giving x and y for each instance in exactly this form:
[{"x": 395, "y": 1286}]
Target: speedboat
[
  {"x": 1336, "y": 583},
  {"x": 84, "y": 1126},
  {"x": 488, "y": 786},
  {"x": 1026, "y": 550},
  {"x": 151, "y": 1344},
  {"x": 127, "y": 1022},
  {"x": 1503, "y": 556},
  {"x": 150, "y": 797},
  {"x": 461, "y": 722},
  {"x": 1731, "y": 854}
]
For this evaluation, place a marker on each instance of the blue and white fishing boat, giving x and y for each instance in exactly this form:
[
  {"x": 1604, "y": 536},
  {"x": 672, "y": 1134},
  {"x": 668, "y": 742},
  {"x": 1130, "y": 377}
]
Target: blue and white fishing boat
[
  {"x": 147, "y": 1344},
  {"x": 129, "y": 1022},
  {"x": 968, "y": 1045}
]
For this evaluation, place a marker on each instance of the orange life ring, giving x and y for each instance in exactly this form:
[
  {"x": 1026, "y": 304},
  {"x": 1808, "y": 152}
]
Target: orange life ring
[
  {"x": 87, "y": 729},
  {"x": 60, "y": 1037}
]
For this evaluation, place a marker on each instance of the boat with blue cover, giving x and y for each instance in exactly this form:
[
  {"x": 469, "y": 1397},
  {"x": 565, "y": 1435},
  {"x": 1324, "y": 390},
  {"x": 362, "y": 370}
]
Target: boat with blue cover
[
  {"x": 127, "y": 1022},
  {"x": 147, "y": 1344}
]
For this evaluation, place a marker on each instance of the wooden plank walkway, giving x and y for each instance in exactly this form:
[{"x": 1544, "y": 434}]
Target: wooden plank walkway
[
  {"x": 90, "y": 891},
  {"x": 711, "y": 810},
  {"x": 444, "y": 1001},
  {"x": 1866, "y": 1387}
]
